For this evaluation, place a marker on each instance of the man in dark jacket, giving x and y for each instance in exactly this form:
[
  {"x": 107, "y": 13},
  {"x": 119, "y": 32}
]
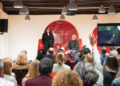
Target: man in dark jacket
[
  {"x": 73, "y": 45},
  {"x": 44, "y": 79}
]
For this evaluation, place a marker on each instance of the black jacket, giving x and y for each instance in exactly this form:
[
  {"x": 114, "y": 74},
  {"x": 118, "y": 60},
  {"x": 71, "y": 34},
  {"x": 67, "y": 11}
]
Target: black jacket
[{"x": 47, "y": 40}]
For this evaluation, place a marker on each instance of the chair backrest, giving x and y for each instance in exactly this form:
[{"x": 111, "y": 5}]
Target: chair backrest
[{"x": 20, "y": 73}]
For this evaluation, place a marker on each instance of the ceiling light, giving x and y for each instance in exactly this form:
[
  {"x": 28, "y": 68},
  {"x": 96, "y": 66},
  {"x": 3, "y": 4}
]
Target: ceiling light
[
  {"x": 62, "y": 17},
  {"x": 95, "y": 18},
  {"x": 24, "y": 11},
  {"x": 111, "y": 10},
  {"x": 101, "y": 9},
  {"x": 72, "y": 6},
  {"x": 18, "y": 4},
  {"x": 1, "y": 6},
  {"x": 27, "y": 18}
]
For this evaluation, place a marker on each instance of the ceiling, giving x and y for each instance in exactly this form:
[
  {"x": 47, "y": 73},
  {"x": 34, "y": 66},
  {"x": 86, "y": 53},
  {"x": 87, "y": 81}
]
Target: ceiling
[{"x": 50, "y": 7}]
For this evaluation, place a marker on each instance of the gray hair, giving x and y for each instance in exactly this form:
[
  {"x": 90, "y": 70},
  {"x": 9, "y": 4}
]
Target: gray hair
[{"x": 1, "y": 65}]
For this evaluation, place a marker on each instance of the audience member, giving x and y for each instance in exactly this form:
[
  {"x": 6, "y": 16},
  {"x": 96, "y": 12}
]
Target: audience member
[
  {"x": 21, "y": 62},
  {"x": 44, "y": 79},
  {"x": 110, "y": 69},
  {"x": 60, "y": 63},
  {"x": 8, "y": 71},
  {"x": 118, "y": 58},
  {"x": 118, "y": 50},
  {"x": 67, "y": 78},
  {"x": 32, "y": 72},
  {"x": 50, "y": 54},
  {"x": 41, "y": 54},
  {"x": 92, "y": 75},
  {"x": 103, "y": 55},
  {"x": 3, "y": 81}
]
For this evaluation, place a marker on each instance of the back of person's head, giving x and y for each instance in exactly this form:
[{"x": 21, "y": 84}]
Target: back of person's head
[
  {"x": 86, "y": 51},
  {"x": 45, "y": 66},
  {"x": 112, "y": 48},
  {"x": 67, "y": 78},
  {"x": 33, "y": 69},
  {"x": 87, "y": 58},
  {"x": 60, "y": 58},
  {"x": 118, "y": 50},
  {"x": 24, "y": 51},
  {"x": 60, "y": 50},
  {"x": 114, "y": 52},
  {"x": 111, "y": 63},
  {"x": 1, "y": 68},
  {"x": 21, "y": 59},
  {"x": 87, "y": 73},
  {"x": 7, "y": 67},
  {"x": 7, "y": 59},
  {"x": 41, "y": 54},
  {"x": 51, "y": 50},
  {"x": 103, "y": 51}
]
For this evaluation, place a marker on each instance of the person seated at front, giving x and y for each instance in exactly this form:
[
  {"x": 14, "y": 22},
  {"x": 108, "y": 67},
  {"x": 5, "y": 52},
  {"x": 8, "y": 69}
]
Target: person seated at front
[
  {"x": 73, "y": 45},
  {"x": 44, "y": 79},
  {"x": 50, "y": 54}
]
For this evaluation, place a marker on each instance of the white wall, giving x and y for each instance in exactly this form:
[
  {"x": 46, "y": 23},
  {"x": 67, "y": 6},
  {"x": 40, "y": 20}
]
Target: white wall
[
  {"x": 24, "y": 35},
  {"x": 3, "y": 38}
]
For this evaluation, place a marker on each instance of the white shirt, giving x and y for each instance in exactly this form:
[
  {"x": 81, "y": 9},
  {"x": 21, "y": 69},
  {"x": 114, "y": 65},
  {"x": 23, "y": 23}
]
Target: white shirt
[
  {"x": 10, "y": 78},
  {"x": 4, "y": 82},
  {"x": 57, "y": 67}
]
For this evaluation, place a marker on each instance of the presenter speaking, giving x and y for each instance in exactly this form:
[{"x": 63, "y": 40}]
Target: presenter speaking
[{"x": 47, "y": 39}]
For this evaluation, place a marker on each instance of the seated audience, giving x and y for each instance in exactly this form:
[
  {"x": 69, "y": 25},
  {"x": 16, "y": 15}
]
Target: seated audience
[
  {"x": 110, "y": 69},
  {"x": 3, "y": 81},
  {"x": 73, "y": 46},
  {"x": 8, "y": 71},
  {"x": 21, "y": 62},
  {"x": 41, "y": 54},
  {"x": 32, "y": 72},
  {"x": 103, "y": 55},
  {"x": 116, "y": 81},
  {"x": 67, "y": 78},
  {"x": 92, "y": 75},
  {"x": 50, "y": 54},
  {"x": 60, "y": 63},
  {"x": 44, "y": 79}
]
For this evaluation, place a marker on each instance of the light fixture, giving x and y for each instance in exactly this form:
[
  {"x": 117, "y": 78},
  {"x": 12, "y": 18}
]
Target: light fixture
[
  {"x": 95, "y": 18},
  {"x": 101, "y": 9},
  {"x": 27, "y": 18},
  {"x": 1, "y": 6},
  {"x": 111, "y": 10},
  {"x": 64, "y": 10},
  {"x": 62, "y": 17},
  {"x": 18, "y": 4},
  {"x": 24, "y": 11},
  {"x": 72, "y": 6}
]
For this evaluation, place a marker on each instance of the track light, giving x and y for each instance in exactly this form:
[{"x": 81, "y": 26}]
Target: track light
[
  {"x": 18, "y": 4},
  {"x": 27, "y": 18},
  {"x": 95, "y": 18},
  {"x": 1, "y": 6},
  {"x": 24, "y": 11},
  {"x": 111, "y": 10},
  {"x": 101, "y": 9},
  {"x": 62, "y": 17}
]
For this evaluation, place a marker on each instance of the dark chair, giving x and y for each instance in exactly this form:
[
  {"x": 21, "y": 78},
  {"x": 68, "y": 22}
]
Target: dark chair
[{"x": 20, "y": 74}]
